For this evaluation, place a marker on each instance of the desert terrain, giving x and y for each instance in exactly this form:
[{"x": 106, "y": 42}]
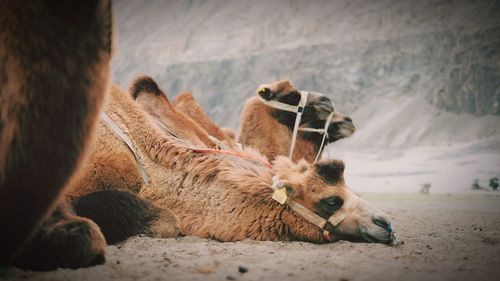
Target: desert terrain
[{"x": 442, "y": 237}]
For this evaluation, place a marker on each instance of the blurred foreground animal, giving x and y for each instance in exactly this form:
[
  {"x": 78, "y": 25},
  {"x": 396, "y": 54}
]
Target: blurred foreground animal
[{"x": 54, "y": 69}]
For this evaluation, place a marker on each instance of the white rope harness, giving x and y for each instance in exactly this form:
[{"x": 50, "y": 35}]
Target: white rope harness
[
  {"x": 323, "y": 131},
  {"x": 299, "y": 109},
  {"x": 121, "y": 135}
]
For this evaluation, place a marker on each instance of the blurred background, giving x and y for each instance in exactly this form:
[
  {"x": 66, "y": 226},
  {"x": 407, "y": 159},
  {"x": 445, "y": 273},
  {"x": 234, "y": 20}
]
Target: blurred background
[{"x": 420, "y": 79}]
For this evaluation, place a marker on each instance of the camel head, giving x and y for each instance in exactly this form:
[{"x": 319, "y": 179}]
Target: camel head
[
  {"x": 318, "y": 106},
  {"x": 321, "y": 189}
]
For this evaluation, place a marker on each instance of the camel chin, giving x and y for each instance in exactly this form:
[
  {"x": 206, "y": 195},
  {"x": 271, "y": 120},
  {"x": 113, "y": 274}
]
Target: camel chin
[{"x": 365, "y": 224}]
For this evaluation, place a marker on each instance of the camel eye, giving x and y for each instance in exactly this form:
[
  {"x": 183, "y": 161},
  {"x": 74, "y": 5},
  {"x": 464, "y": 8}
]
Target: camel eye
[{"x": 334, "y": 203}]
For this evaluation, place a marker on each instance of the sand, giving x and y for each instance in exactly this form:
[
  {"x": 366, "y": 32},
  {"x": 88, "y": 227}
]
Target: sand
[{"x": 445, "y": 237}]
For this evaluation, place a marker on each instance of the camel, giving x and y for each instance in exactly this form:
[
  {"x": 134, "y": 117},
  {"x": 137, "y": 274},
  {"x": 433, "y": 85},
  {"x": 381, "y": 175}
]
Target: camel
[
  {"x": 54, "y": 69},
  {"x": 228, "y": 195},
  {"x": 259, "y": 119},
  {"x": 185, "y": 103}
]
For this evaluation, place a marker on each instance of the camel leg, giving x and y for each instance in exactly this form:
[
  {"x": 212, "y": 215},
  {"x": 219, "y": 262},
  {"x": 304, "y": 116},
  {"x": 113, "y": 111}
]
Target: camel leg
[
  {"x": 121, "y": 214},
  {"x": 64, "y": 240}
]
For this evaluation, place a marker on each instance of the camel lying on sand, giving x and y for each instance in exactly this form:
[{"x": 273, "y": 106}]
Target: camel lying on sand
[
  {"x": 54, "y": 69},
  {"x": 259, "y": 119},
  {"x": 228, "y": 195},
  {"x": 185, "y": 103}
]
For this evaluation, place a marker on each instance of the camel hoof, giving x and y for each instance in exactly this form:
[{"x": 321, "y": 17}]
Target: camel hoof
[{"x": 73, "y": 243}]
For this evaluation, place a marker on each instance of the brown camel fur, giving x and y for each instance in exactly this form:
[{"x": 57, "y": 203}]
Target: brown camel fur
[
  {"x": 229, "y": 133},
  {"x": 54, "y": 68},
  {"x": 258, "y": 120},
  {"x": 185, "y": 103},
  {"x": 147, "y": 93},
  {"x": 229, "y": 198}
]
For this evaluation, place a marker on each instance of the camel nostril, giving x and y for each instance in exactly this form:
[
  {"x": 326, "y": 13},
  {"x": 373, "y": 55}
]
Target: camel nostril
[
  {"x": 348, "y": 119},
  {"x": 383, "y": 223},
  {"x": 325, "y": 99}
]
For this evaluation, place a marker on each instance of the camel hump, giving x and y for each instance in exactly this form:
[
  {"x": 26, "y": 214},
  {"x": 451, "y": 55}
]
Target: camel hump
[
  {"x": 144, "y": 84},
  {"x": 184, "y": 97}
]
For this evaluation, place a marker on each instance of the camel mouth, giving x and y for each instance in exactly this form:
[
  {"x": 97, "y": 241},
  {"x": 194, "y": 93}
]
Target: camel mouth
[
  {"x": 340, "y": 130},
  {"x": 390, "y": 239}
]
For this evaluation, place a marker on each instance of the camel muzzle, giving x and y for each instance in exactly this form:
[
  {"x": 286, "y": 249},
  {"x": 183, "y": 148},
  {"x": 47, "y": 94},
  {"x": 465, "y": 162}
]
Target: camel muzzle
[
  {"x": 366, "y": 224},
  {"x": 356, "y": 220}
]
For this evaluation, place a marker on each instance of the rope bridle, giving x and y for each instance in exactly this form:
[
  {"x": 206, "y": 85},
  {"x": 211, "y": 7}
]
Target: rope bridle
[
  {"x": 299, "y": 110},
  {"x": 281, "y": 196},
  {"x": 128, "y": 142}
]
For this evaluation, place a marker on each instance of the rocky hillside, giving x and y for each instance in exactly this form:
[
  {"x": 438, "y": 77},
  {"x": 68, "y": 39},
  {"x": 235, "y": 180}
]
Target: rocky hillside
[{"x": 410, "y": 73}]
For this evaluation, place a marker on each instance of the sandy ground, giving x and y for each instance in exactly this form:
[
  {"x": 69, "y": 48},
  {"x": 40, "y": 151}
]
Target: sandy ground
[{"x": 445, "y": 237}]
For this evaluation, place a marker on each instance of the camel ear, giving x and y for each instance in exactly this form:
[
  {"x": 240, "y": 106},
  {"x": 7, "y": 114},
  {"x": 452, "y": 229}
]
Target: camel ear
[
  {"x": 265, "y": 93},
  {"x": 331, "y": 171}
]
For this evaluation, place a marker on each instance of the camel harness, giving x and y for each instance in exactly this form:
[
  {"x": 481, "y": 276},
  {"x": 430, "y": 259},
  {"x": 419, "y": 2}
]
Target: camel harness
[{"x": 128, "y": 142}]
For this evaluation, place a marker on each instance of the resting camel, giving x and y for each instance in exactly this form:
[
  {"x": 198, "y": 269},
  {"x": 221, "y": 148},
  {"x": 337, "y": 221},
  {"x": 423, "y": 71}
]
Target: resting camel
[
  {"x": 227, "y": 195},
  {"x": 54, "y": 69},
  {"x": 185, "y": 103},
  {"x": 259, "y": 119}
]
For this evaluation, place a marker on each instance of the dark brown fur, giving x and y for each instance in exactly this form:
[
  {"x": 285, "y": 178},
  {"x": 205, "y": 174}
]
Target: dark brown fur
[
  {"x": 63, "y": 240},
  {"x": 54, "y": 68},
  {"x": 120, "y": 214},
  {"x": 144, "y": 84}
]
